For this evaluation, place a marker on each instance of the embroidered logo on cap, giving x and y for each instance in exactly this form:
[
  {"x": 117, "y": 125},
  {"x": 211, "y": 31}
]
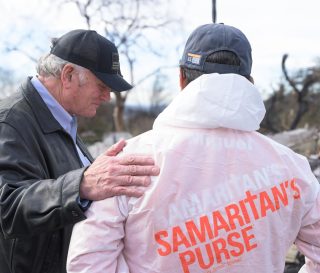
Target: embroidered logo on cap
[
  {"x": 115, "y": 61},
  {"x": 193, "y": 58}
]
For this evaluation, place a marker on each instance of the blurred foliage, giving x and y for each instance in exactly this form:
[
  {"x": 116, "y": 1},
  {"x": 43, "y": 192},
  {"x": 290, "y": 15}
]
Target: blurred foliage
[
  {"x": 92, "y": 129},
  {"x": 127, "y": 23},
  {"x": 282, "y": 107},
  {"x": 294, "y": 104},
  {"x": 137, "y": 120}
]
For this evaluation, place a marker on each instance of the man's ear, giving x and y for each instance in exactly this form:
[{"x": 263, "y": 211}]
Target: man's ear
[
  {"x": 66, "y": 73},
  {"x": 182, "y": 78}
]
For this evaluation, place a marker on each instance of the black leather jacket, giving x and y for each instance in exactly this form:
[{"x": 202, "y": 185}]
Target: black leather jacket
[{"x": 40, "y": 172}]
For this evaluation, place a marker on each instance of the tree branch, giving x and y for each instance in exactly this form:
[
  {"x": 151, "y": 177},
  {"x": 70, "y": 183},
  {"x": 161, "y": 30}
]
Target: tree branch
[{"x": 285, "y": 73}]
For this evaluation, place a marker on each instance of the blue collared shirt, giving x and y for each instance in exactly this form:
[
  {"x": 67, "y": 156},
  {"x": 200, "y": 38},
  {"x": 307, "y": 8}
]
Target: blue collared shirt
[{"x": 68, "y": 122}]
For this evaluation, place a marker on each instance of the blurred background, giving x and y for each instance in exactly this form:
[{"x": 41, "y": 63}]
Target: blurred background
[{"x": 150, "y": 36}]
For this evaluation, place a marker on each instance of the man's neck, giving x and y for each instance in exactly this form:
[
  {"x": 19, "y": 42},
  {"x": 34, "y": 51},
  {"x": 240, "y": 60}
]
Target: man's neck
[{"x": 53, "y": 85}]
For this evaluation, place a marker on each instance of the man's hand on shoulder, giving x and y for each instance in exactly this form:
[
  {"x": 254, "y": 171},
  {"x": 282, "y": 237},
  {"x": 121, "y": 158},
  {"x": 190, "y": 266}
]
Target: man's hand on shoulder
[{"x": 110, "y": 175}]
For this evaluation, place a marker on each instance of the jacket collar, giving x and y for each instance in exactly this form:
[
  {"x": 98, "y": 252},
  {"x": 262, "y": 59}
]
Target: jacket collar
[{"x": 46, "y": 120}]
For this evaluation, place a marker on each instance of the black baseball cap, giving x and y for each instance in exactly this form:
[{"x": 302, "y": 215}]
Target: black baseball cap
[
  {"x": 90, "y": 50},
  {"x": 210, "y": 38}
]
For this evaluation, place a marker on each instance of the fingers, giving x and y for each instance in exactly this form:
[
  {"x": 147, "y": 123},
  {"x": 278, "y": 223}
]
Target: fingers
[
  {"x": 111, "y": 175},
  {"x": 132, "y": 170},
  {"x": 129, "y": 180},
  {"x": 136, "y": 159},
  {"x": 116, "y": 148},
  {"x": 95, "y": 187}
]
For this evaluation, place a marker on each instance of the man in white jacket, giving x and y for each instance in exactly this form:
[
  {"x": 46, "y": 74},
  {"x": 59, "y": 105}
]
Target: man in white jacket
[{"x": 228, "y": 199}]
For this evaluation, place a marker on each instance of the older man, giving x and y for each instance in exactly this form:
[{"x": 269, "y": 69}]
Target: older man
[
  {"x": 227, "y": 199},
  {"x": 47, "y": 180}
]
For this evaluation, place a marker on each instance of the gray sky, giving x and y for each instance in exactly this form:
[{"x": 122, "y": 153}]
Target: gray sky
[{"x": 273, "y": 27}]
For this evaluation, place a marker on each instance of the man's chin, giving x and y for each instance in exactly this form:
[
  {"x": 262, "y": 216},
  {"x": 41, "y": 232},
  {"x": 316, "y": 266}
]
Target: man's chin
[{"x": 90, "y": 114}]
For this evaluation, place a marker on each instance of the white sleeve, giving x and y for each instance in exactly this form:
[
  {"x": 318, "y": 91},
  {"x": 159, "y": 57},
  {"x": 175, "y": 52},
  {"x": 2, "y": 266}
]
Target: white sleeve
[
  {"x": 308, "y": 239},
  {"x": 97, "y": 242}
]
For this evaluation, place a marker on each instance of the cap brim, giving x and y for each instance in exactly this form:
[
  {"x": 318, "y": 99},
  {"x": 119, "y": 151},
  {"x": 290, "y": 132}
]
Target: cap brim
[{"x": 114, "y": 81}]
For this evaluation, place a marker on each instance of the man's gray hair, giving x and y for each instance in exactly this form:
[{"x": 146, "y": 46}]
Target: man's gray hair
[{"x": 51, "y": 66}]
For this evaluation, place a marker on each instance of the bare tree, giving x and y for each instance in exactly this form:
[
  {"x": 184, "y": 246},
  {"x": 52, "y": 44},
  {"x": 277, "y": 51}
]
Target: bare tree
[
  {"x": 295, "y": 102},
  {"x": 126, "y": 23},
  {"x": 301, "y": 86},
  {"x": 7, "y": 84},
  {"x": 157, "y": 94},
  {"x": 268, "y": 124},
  {"x": 11, "y": 48}
]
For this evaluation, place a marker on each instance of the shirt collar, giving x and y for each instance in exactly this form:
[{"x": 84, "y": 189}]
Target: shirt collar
[{"x": 67, "y": 121}]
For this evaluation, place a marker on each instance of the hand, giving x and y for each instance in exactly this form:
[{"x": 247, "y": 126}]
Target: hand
[{"x": 109, "y": 175}]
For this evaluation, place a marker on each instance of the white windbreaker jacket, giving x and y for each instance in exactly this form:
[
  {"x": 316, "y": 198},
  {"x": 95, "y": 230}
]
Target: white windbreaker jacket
[{"x": 228, "y": 199}]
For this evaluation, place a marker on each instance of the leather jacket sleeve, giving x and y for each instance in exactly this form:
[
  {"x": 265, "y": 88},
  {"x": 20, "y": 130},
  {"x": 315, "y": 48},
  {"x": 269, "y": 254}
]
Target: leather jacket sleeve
[{"x": 31, "y": 202}]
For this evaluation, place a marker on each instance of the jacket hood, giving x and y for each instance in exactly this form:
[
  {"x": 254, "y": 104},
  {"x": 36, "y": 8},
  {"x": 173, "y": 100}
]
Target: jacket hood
[{"x": 216, "y": 101}]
